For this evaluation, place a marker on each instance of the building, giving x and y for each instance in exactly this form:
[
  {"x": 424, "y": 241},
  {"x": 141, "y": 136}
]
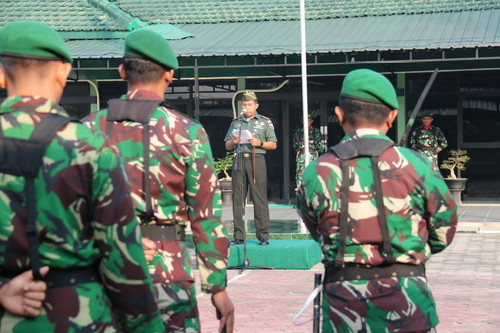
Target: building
[{"x": 228, "y": 45}]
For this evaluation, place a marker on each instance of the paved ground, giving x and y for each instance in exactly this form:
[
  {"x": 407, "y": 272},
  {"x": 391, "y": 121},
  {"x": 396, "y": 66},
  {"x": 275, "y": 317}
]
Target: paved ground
[{"x": 462, "y": 278}]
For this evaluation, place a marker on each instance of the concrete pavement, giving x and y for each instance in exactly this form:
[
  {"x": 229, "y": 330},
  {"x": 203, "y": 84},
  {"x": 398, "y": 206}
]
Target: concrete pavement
[{"x": 463, "y": 280}]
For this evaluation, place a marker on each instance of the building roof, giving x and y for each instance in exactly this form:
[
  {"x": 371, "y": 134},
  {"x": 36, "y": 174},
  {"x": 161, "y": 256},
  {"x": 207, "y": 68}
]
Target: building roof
[
  {"x": 225, "y": 11},
  {"x": 204, "y": 28}
]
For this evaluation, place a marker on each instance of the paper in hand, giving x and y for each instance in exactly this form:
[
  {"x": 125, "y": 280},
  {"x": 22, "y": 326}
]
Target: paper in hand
[{"x": 243, "y": 134}]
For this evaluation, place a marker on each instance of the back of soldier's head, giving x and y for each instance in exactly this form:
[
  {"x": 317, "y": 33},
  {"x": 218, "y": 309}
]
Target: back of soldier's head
[
  {"x": 367, "y": 97},
  {"x": 29, "y": 48},
  {"x": 147, "y": 56}
]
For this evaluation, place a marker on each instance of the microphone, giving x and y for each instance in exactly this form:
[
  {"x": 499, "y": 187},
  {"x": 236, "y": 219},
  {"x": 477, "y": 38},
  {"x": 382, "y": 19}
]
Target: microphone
[{"x": 242, "y": 114}]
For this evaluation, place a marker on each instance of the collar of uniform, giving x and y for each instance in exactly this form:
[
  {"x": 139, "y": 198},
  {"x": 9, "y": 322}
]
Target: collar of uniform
[
  {"x": 31, "y": 103},
  {"x": 365, "y": 133},
  {"x": 142, "y": 94}
]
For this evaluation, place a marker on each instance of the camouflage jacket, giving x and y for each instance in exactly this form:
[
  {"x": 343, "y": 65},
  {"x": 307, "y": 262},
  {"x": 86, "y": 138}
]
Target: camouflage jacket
[
  {"x": 316, "y": 145},
  {"x": 184, "y": 189},
  {"x": 84, "y": 218},
  {"x": 260, "y": 127},
  {"x": 421, "y": 213},
  {"x": 421, "y": 218},
  {"x": 428, "y": 142}
]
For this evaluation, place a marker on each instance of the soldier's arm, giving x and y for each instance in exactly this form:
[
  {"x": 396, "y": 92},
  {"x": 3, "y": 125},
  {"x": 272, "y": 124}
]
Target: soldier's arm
[
  {"x": 442, "y": 212},
  {"x": 271, "y": 142},
  {"x": 442, "y": 142},
  {"x": 123, "y": 268},
  {"x": 307, "y": 196},
  {"x": 205, "y": 210}
]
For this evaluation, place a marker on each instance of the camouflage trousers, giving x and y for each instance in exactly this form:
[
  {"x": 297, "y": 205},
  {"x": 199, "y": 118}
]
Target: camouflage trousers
[
  {"x": 178, "y": 307},
  {"x": 402, "y": 304}
]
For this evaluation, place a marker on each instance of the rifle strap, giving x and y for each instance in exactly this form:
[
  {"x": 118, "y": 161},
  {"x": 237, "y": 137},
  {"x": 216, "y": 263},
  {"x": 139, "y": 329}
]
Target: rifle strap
[
  {"x": 347, "y": 151},
  {"x": 139, "y": 111},
  {"x": 24, "y": 158}
]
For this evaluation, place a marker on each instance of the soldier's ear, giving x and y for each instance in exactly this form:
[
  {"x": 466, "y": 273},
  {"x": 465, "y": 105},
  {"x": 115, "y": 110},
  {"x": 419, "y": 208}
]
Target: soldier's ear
[
  {"x": 121, "y": 72},
  {"x": 168, "y": 76},
  {"x": 62, "y": 72},
  {"x": 391, "y": 117},
  {"x": 340, "y": 114},
  {"x": 3, "y": 81}
]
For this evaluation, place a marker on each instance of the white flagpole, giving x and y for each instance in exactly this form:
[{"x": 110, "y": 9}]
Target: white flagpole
[{"x": 303, "y": 56}]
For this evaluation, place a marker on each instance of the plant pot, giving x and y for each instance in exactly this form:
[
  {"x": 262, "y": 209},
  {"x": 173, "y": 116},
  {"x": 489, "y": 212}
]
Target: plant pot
[
  {"x": 456, "y": 186},
  {"x": 226, "y": 188}
]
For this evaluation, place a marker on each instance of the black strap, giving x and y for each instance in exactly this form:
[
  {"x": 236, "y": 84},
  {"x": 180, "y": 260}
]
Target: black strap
[
  {"x": 138, "y": 111},
  {"x": 382, "y": 217},
  {"x": 344, "y": 212},
  {"x": 346, "y": 151},
  {"x": 161, "y": 232},
  {"x": 24, "y": 158},
  {"x": 356, "y": 272},
  {"x": 58, "y": 277}
]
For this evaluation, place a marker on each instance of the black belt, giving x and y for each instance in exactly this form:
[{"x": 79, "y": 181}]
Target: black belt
[
  {"x": 347, "y": 273},
  {"x": 57, "y": 277},
  {"x": 249, "y": 155},
  {"x": 161, "y": 232}
]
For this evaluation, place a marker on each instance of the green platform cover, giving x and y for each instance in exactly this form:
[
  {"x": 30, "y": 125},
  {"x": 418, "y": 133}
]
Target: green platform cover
[{"x": 280, "y": 254}]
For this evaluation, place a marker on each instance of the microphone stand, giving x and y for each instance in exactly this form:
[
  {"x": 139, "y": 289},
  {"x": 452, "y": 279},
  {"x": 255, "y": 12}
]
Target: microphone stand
[{"x": 238, "y": 165}]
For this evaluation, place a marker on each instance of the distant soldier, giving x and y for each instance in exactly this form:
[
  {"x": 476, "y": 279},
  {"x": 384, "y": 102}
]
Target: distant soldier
[
  {"x": 379, "y": 212},
  {"x": 169, "y": 163},
  {"x": 65, "y": 201},
  {"x": 251, "y": 171},
  {"x": 428, "y": 139},
  {"x": 316, "y": 147}
]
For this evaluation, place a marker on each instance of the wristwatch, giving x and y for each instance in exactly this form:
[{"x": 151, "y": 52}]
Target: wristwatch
[{"x": 261, "y": 144}]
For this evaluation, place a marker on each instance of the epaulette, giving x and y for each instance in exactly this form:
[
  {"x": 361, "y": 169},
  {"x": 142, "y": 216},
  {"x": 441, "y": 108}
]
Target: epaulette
[{"x": 267, "y": 118}]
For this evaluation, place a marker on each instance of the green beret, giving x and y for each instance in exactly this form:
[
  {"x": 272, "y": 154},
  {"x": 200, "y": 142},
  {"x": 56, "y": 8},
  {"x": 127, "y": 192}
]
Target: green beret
[
  {"x": 32, "y": 40},
  {"x": 426, "y": 114},
  {"x": 369, "y": 86},
  {"x": 249, "y": 96},
  {"x": 152, "y": 46}
]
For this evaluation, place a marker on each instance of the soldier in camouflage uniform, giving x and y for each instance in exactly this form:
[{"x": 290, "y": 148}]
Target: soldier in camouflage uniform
[
  {"x": 428, "y": 139},
  {"x": 183, "y": 185},
  {"x": 316, "y": 147},
  {"x": 379, "y": 213},
  {"x": 85, "y": 226},
  {"x": 249, "y": 167}
]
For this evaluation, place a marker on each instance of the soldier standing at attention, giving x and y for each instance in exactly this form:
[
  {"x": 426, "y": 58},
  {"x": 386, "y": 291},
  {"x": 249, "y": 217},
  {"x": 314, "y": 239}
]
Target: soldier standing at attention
[
  {"x": 316, "y": 147},
  {"x": 169, "y": 163},
  {"x": 379, "y": 213},
  {"x": 249, "y": 167},
  {"x": 428, "y": 139},
  {"x": 65, "y": 202}
]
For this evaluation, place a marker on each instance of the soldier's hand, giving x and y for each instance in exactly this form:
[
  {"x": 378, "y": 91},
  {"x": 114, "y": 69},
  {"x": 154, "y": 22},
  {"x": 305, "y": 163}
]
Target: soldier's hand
[
  {"x": 235, "y": 139},
  {"x": 254, "y": 141},
  {"x": 23, "y": 295},
  {"x": 149, "y": 249},
  {"x": 224, "y": 309}
]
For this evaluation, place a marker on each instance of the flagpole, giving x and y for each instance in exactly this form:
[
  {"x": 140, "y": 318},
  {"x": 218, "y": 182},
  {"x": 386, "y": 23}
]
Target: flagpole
[{"x": 303, "y": 57}]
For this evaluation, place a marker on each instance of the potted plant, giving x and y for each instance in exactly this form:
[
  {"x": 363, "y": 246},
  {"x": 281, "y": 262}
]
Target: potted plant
[
  {"x": 225, "y": 164},
  {"x": 457, "y": 158}
]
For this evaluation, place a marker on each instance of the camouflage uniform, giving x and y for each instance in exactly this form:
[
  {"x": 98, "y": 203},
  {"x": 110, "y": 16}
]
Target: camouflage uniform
[
  {"x": 184, "y": 190},
  {"x": 421, "y": 218},
  {"x": 429, "y": 142},
  {"x": 316, "y": 147},
  {"x": 84, "y": 219},
  {"x": 262, "y": 128}
]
